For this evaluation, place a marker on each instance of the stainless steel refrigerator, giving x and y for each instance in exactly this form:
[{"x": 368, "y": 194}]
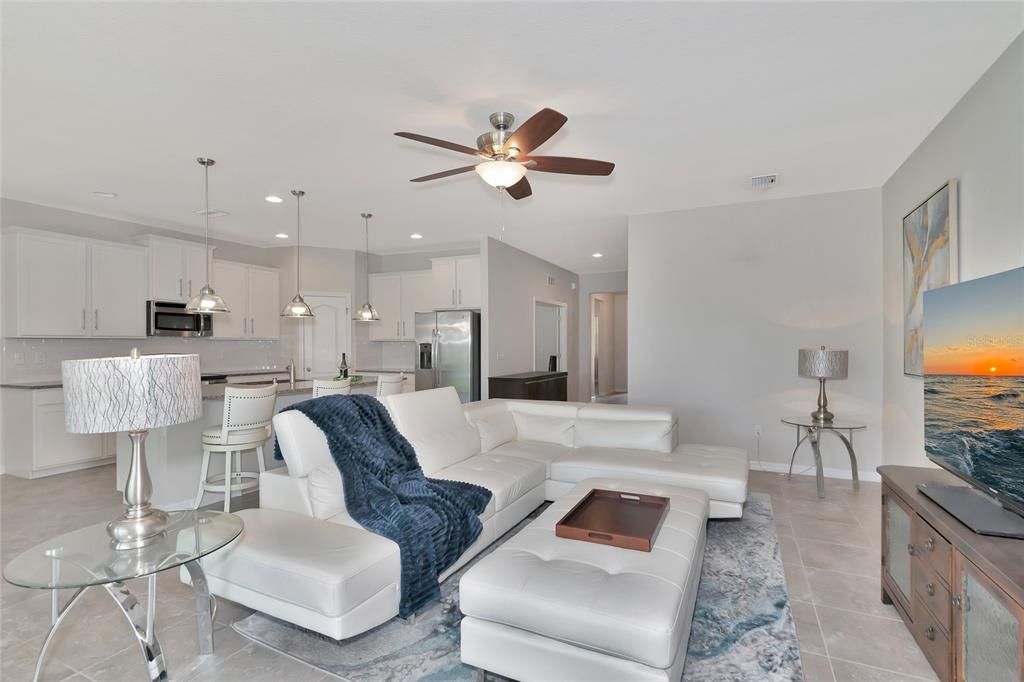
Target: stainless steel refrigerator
[{"x": 448, "y": 345}]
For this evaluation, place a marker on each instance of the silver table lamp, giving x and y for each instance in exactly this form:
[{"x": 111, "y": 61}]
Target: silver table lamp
[
  {"x": 133, "y": 394},
  {"x": 821, "y": 364}
]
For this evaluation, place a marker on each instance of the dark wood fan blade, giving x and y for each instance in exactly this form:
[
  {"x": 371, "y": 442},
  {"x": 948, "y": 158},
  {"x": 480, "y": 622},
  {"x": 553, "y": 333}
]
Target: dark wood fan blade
[
  {"x": 443, "y": 174},
  {"x": 567, "y": 164},
  {"x": 455, "y": 147},
  {"x": 536, "y": 131},
  {"x": 520, "y": 190}
]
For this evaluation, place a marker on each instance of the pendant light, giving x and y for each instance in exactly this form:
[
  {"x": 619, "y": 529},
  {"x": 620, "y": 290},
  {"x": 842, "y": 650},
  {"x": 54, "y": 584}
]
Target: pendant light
[
  {"x": 297, "y": 307},
  {"x": 367, "y": 313},
  {"x": 207, "y": 300}
]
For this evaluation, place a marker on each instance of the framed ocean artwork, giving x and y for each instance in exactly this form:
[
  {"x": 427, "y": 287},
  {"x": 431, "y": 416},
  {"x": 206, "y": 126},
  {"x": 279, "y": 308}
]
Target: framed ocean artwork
[{"x": 929, "y": 261}]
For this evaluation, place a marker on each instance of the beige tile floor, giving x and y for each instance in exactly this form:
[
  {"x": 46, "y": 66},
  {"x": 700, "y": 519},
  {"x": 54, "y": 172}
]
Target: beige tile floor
[{"x": 830, "y": 550}]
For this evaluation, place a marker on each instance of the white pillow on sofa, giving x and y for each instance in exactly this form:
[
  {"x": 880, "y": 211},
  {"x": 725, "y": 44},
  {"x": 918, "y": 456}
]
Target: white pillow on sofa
[
  {"x": 498, "y": 429},
  {"x": 545, "y": 429}
]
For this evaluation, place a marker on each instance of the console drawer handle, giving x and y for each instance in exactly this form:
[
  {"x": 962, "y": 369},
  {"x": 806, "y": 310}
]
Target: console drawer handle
[
  {"x": 956, "y": 600},
  {"x": 929, "y": 544},
  {"x": 929, "y": 633},
  {"x": 910, "y": 550},
  {"x": 930, "y": 589}
]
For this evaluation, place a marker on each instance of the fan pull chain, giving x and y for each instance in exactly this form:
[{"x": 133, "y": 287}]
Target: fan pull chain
[{"x": 502, "y": 192}]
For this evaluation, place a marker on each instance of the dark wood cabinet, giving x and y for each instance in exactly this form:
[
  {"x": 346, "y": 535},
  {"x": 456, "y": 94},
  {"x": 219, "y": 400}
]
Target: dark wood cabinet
[
  {"x": 530, "y": 386},
  {"x": 960, "y": 593}
]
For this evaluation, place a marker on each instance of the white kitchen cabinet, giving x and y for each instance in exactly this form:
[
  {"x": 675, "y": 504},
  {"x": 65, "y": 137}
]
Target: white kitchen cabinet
[
  {"x": 386, "y": 297},
  {"x": 118, "y": 282},
  {"x": 398, "y": 296},
  {"x": 64, "y": 286},
  {"x": 252, "y": 292},
  {"x": 41, "y": 446},
  {"x": 455, "y": 282},
  {"x": 177, "y": 268}
]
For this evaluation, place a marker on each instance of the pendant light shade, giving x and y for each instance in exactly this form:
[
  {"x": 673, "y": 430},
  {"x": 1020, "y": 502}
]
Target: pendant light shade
[
  {"x": 297, "y": 307},
  {"x": 207, "y": 300},
  {"x": 367, "y": 313}
]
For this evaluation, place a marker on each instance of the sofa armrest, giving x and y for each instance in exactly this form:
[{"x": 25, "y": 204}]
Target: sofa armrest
[{"x": 278, "y": 490}]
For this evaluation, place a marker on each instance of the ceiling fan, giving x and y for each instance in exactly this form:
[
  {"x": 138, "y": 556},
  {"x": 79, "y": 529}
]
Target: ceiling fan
[{"x": 508, "y": 156}]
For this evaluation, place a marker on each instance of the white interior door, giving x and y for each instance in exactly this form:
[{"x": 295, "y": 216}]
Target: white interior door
[
  {"x": 548, "y": 336},
  {"x": 326, "y": 336}
]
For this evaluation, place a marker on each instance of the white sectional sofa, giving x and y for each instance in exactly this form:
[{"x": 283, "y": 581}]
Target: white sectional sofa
[{"x": 303, "y": 559}]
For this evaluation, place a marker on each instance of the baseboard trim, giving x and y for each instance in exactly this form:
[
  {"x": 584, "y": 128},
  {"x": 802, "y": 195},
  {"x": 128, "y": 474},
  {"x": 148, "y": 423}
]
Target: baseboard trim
[{"x": 782, "y": 467}]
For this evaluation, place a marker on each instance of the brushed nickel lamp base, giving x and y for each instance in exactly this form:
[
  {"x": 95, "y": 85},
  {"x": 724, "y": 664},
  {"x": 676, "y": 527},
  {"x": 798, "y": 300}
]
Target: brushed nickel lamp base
[
  {"x": 822, "y": 414},
  {"x": 141, "y": 524}
]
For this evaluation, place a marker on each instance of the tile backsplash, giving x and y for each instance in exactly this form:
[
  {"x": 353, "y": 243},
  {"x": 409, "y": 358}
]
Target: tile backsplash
[{"x": 39, "y": 359}]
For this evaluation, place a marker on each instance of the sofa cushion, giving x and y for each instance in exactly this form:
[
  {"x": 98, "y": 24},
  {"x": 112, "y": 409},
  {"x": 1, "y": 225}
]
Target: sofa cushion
[
  {"x": 303, "y": 444},
  {"x": 634, "y": 605},
  {"x": 324, "y": 567},
  {"x": 719, "y": 471},
  {"x": 508, "y": 478},
  {"x": 495, "y": 430},
  {"x": 621, "y": 426},
  {"x": 545, "y": 453},
  {"x": 434, "y": 423},
  {"x": 545, "y": 429},
  {"x": 326, "y": 491}
]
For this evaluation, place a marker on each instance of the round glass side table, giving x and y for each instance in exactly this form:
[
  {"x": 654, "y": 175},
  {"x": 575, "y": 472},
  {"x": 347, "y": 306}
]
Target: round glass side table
[
  {"x": 84, "y": 558},
  {"x": 811, "y": 430}
]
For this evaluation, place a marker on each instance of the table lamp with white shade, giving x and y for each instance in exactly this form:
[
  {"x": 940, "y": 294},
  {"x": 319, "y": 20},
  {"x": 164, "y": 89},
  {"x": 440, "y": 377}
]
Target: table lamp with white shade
[
  {"x": 134, "y": 394},
  {"x": 821, "y": 364}
]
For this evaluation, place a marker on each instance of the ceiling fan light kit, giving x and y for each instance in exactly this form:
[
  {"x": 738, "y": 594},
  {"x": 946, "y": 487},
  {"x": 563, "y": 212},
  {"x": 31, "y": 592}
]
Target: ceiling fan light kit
[{"x": 507, "y": 153}]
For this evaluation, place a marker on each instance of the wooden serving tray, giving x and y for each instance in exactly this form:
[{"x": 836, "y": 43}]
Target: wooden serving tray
[{"x": 616, "y": 518}]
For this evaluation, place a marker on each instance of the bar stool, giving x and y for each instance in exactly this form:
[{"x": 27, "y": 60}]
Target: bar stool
[
  {"x": 329, "y": 387},
  {"x": 389, "y": 384},
  {"x": 246, "y": 426}
]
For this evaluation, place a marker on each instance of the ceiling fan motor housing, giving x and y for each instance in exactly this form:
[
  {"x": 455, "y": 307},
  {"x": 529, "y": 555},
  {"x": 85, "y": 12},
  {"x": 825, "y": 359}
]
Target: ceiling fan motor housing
[{"x": 492, "y": 142}]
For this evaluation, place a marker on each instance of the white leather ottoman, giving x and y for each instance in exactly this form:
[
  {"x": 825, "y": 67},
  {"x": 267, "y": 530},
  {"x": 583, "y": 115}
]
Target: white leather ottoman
[{"x": 546, "y": 608}]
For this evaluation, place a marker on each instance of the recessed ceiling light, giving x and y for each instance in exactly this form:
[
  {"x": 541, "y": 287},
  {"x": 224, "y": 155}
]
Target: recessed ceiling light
[
  {"x": 106, "y": 195},
  {"x": 597, "y": 255},
  {"x": 415, "y": 235},
  {"x": 281, "y": 235},
  {"x": 274, "y": 199}
]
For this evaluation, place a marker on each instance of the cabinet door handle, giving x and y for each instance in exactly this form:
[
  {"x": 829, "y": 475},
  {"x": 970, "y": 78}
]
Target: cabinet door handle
[
  {"x": 929, "y": 633},
  {"x": 929, "y": 544},
  {"x": 453, "y": 296},
  {"x": 910, "y": 550},
  {"x": 460, "y": 296},
  {"x": 956, "y": 600},
  {"x": 930, "y": 589},
  {"x": 181, "y": 287},
  {"x": 83, "y": 319},
  {"x": 96, "y": 319},
  {"x": 190, "y": 287},
  {"x": 252, "y": 326}
]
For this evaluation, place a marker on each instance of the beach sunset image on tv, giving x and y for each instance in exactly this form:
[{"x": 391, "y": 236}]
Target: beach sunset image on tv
[{"x": 974, "y": 380}]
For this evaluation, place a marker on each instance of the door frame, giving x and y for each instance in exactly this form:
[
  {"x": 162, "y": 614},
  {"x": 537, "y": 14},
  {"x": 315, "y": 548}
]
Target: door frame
[
  {"x": 563, "y": 331},
  {"x": 301, "y": 341}
]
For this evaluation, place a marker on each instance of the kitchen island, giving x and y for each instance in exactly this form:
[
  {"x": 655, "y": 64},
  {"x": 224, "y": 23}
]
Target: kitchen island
[{"x": 174, "y": 454}]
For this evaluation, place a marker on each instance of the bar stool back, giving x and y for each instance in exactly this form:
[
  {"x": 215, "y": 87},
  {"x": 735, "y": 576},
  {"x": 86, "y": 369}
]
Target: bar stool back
[
  {"x": 330, "y": 387},
  {"x": 389, "y": 384},
  {"x": 246, "y": 426}
]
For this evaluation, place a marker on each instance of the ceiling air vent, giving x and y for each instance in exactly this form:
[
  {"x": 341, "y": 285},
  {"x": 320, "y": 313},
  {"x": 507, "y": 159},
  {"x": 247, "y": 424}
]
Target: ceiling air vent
[
  {"x": 764, "y": 181},
  {"x": 551, "y": 281},
  {"x": 213, "y": 212}
]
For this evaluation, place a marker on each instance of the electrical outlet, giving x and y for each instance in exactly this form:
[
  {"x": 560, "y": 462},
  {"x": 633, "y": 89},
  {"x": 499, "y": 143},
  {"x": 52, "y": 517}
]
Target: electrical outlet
[
  {"x": 19, "y": 358},
  {"x": 40, "y": 358},
  {"x": 757, "y": 431}
]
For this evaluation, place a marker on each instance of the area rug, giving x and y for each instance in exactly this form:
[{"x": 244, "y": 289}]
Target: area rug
[{"x": 742, "y": 625}]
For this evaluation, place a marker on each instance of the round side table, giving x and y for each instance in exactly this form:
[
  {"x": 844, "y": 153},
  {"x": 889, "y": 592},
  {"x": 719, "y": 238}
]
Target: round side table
[
  {"x": 84, "y": 558},
  {"x": 811, "y": 430}
]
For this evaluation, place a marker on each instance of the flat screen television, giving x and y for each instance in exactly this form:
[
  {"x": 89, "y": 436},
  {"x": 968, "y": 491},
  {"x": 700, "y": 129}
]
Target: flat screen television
[{"x": 974, "y": 394}]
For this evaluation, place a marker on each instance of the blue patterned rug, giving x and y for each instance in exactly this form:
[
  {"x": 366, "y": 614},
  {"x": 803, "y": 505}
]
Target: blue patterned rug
[{"x": 742, "y": 625}]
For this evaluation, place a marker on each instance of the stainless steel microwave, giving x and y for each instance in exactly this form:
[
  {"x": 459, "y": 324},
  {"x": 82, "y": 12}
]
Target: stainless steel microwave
[{"x": 164, "y": 318}]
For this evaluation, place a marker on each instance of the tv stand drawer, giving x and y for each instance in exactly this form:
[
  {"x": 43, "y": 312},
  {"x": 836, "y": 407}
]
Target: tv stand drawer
[
  {"x": 930, "y": 591},
  {"x": 932, "y": 549}
]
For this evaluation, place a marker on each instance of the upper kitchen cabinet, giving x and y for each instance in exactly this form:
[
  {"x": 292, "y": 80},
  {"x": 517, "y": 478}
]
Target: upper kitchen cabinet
[
  {"x": 177, "y": 268},
  {"x": 397, "y": 297},
  {"x": 455, "y": 282},
  {"x": 252, "y": 292},
  {"x": 64, "y": 286}
]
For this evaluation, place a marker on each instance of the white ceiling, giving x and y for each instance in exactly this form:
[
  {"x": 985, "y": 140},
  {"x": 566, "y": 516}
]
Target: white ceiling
[{"x": 688, "y": 100}]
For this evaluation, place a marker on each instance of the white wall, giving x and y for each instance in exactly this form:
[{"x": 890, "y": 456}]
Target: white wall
[
  {"x": 621, "y": 341},
  {"x": 721, "y": 300},
  {"x": 591, "y": 284},
  {"x": 980, "y": 143},
  {"x": 513, "y": 280}
]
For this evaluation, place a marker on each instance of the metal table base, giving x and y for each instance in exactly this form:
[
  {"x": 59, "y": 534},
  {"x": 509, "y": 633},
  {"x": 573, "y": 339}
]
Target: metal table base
[{"x": 813, "y": 435}]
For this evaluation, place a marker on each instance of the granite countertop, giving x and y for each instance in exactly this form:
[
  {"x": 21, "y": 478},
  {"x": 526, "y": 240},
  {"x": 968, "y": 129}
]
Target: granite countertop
[
  {"x": 216, "y": 391},
  {"x": 56, "y": 383},
  {"x": 408, "y": 370}
]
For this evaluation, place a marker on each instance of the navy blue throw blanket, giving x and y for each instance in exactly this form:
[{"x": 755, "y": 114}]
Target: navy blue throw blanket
[{"x": 433, "y": 521}]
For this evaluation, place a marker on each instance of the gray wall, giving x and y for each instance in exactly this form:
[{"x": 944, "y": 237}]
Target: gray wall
[
  {"x": 980, "y": 143},
  {"x": 602, "y": 282},
  {"x": 513, "y": 280},
  {"x": 722, "y": 298}
]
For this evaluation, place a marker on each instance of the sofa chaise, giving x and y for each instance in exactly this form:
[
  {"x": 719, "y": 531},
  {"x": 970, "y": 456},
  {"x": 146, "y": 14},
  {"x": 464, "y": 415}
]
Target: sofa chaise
[{"x": 303, "y": 559}]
